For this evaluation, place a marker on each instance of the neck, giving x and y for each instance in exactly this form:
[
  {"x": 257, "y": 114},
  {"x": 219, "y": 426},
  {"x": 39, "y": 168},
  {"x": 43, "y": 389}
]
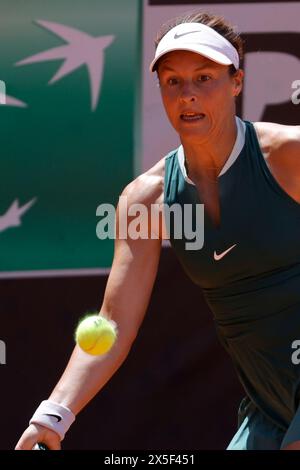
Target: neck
[{"x": 208, "y": 156}]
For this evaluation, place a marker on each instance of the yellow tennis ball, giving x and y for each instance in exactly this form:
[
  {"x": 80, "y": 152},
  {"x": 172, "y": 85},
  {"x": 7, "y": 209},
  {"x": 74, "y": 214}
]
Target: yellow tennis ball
[{"x": 96, "y": 334}]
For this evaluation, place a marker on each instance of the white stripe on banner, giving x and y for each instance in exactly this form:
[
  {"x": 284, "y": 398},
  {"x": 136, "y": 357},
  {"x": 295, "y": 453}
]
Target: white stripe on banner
[{"x": 54, "y": 273}]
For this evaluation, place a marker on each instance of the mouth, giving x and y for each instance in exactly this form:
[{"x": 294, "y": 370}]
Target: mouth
[{"x": 191, "y": 117}]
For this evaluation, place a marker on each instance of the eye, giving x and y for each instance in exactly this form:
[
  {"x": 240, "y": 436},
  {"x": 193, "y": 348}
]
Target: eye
[
  {"x": 204, "y": 78},
  {"x": 172, "y": 81}
]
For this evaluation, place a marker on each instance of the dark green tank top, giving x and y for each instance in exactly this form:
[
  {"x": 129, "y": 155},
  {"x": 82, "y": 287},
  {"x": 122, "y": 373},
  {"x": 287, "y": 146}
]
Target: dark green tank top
[{"x": 254, "y": 289}]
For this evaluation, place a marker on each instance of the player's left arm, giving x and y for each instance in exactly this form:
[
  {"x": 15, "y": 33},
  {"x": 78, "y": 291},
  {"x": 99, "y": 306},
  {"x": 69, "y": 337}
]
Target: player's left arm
[{"x": 280, "y": 145}]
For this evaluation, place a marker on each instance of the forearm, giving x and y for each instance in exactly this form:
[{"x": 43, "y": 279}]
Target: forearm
[{"x": 85, "y": 375}]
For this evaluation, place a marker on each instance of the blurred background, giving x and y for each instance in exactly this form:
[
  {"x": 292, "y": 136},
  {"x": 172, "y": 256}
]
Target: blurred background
[{"x": 82, "y": 118}]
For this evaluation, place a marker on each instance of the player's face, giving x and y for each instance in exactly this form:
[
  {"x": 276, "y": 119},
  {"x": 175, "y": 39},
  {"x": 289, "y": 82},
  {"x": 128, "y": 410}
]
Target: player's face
[{"x": 198, "y": 94}]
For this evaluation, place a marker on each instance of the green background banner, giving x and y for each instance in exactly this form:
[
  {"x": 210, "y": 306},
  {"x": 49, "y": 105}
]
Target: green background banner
[{"x": 67, "y": 146}]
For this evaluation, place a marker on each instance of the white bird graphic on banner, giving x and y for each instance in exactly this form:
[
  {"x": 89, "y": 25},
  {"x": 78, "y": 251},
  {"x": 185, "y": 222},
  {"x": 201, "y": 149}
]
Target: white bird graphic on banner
[
  {"x": 11, "y": 101},
  {"x": 82, "y": 49},
  {"x": 12, "y": 217}
]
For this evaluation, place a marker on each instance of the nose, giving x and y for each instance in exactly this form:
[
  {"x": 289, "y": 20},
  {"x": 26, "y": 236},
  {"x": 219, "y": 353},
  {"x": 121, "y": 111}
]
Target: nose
[{"x": 188, "y": 93}]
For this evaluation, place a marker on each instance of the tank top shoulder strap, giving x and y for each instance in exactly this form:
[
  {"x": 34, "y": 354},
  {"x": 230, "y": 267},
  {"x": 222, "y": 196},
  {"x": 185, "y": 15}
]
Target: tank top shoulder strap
[
  {"x": 171, "y": 175},
  {"x": 255, "y": 153}
]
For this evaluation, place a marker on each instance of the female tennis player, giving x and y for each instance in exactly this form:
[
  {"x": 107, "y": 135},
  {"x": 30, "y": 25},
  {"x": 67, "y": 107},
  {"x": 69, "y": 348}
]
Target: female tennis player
[{"x": 247, "y": 176}]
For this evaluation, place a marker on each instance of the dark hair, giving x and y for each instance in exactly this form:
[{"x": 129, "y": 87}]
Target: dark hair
[{"x": 218, "y": 23}]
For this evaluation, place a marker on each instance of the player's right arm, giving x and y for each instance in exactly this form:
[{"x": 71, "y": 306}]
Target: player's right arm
[{"x": 125, "y": 301}]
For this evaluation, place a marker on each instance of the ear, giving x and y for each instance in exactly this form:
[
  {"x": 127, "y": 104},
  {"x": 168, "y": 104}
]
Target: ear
[{"x": 237, "y": 80}]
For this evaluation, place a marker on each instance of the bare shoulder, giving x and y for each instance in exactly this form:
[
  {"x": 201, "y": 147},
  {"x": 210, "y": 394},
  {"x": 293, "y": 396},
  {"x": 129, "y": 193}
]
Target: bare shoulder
[
  {"x": 278, "y": 140},
  {"x": 147, "y": 188},
  {"x": 280, "y": 146}
]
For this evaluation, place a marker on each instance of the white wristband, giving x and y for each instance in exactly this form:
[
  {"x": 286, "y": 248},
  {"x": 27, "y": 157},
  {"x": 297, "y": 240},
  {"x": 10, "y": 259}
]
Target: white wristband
[{"x": 53, "y": 416}]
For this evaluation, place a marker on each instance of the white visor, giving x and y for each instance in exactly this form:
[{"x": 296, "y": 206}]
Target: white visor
[{"x": 199, "y": 38}]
